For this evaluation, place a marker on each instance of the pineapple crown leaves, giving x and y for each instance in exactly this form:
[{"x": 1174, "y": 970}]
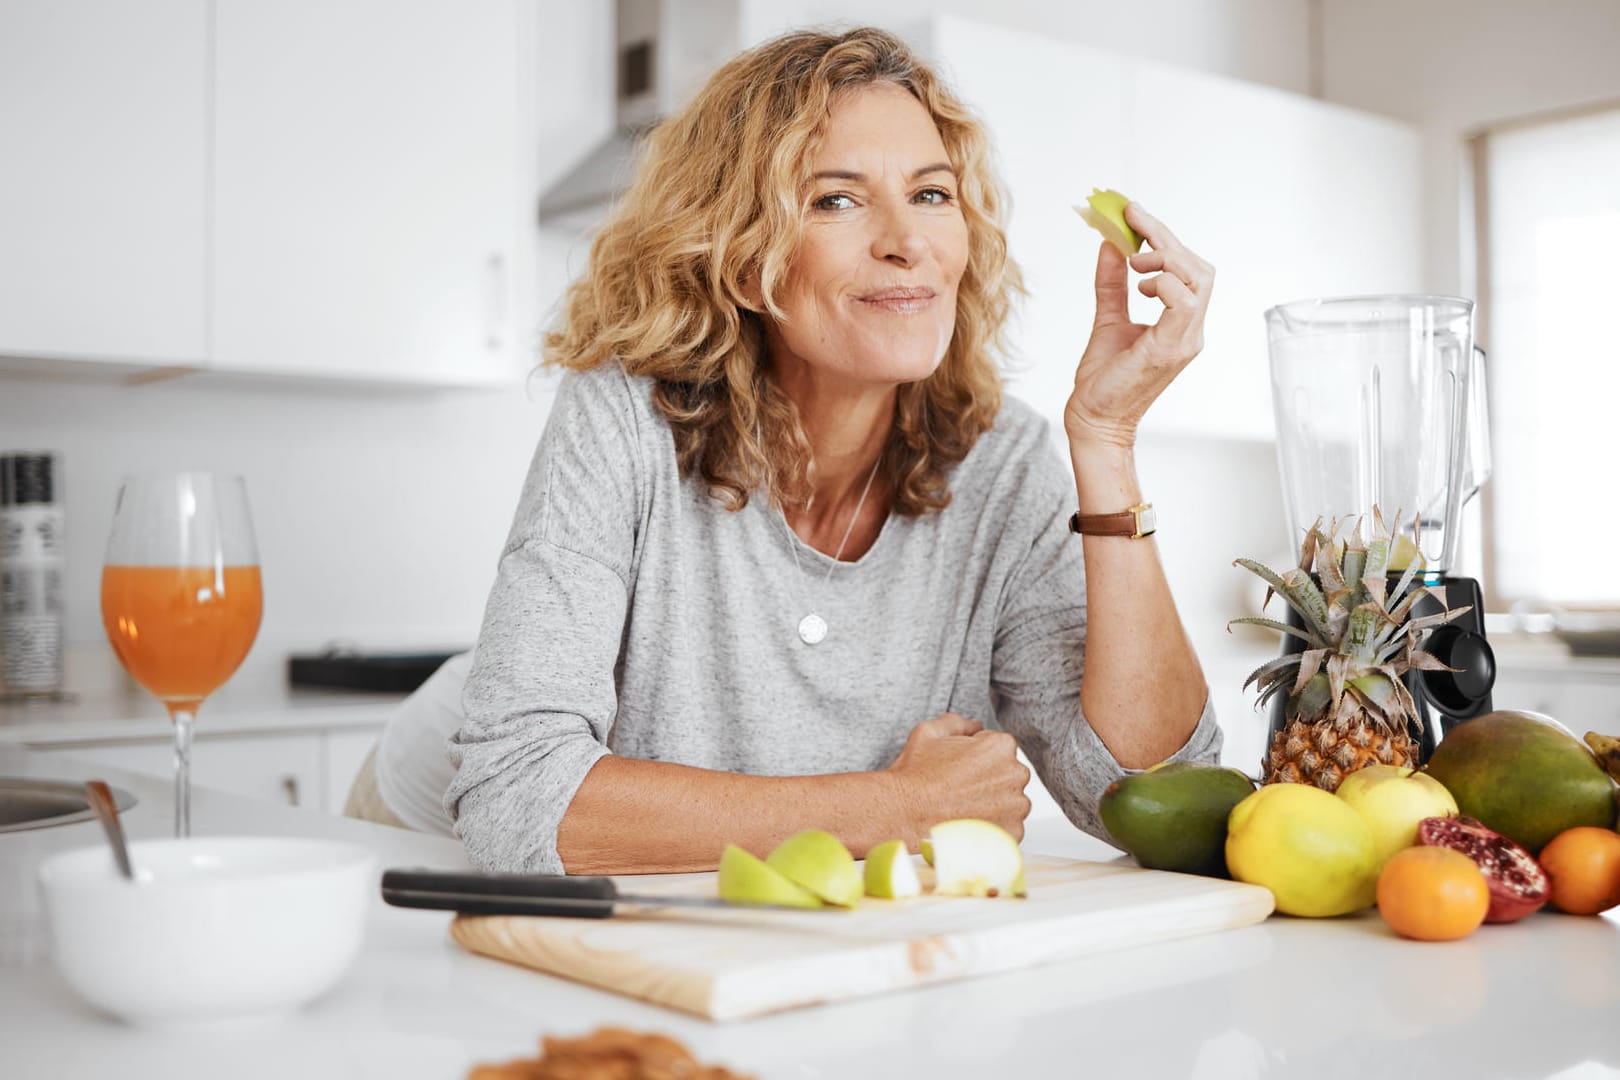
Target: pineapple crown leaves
[{"x": 1358, "y": 627}]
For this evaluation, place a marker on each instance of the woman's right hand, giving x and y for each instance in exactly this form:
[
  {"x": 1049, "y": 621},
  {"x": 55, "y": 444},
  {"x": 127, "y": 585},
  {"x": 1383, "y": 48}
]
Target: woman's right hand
[{"x": 951, "y": 767}]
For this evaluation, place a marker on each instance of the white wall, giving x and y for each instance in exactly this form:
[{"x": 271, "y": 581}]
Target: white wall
[
  {"x": 1456, "y": 66},
  {"x": 379, "y": 515},
  {"x": 1263, "y": 41}
]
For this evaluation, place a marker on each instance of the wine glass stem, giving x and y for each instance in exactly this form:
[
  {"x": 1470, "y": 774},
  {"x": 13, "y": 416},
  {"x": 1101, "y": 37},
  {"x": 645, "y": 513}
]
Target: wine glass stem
[{"x": 182, "y": 771}]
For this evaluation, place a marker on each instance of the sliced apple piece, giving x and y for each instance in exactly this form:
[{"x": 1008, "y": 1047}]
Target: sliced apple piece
[
  {"x": 890, "y": 874},
  {"x": 1105, "y": 212},
  {"x": 819, "y": 862},
  {"x": 927, "y": 849},
  {"x": 976, "y": 858},
  {"x": 746, "y": 879}
]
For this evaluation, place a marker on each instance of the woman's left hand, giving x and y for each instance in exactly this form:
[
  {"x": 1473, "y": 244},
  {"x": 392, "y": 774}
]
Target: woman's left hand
[{"x": 1127, "y": 365}]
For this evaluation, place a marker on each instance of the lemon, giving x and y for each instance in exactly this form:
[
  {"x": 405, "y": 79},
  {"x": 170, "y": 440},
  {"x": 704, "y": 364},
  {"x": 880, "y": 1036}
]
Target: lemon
[
  {"x": 1310, "y": 848},
  {"x": 1401, "y": 554}
]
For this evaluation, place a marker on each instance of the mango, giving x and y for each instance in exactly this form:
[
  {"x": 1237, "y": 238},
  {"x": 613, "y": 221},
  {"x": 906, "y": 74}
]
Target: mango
[
  {"x": 1173, "y": 817},
  {"x": 1524, "y": 775}
]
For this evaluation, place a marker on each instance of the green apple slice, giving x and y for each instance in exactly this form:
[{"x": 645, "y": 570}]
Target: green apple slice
[
  {"x": 927, "y": 848},
  {"x": 818, "y": 861},
  {"x": 1105, "y": 212},
  {"x": 745, "y": 879},
  {"x": 890, "y": 874},
  {"x": 976, "y": 858}
]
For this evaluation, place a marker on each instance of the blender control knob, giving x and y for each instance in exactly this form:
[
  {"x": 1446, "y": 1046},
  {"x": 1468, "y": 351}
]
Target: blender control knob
[{"x": 1461, "y": 690}]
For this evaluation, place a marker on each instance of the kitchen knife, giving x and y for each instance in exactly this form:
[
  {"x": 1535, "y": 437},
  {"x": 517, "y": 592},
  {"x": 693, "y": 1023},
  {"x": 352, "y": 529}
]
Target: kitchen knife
[{"x": 532, "y": 894}]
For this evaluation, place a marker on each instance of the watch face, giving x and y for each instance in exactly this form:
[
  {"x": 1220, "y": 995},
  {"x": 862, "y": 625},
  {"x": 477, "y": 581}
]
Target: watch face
[{"x": 1146, "y": 521}]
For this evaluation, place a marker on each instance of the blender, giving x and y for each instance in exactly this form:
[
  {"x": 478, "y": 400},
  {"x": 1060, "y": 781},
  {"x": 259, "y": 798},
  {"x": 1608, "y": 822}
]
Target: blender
[{"x": 1380, "y": 401}]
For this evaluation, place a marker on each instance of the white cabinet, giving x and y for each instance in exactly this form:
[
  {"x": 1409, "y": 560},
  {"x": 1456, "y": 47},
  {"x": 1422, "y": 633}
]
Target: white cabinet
[
  {"x": 1581, "y": 697},
  {"x": 310, "y": 769},
  {"x": 343, "y": 752},
  {"x": 1288, "y": 197},
  {"x": 366, "y": 189},
  {"x": 289, "y": 188},
  {"x": 103, "y": 190}
]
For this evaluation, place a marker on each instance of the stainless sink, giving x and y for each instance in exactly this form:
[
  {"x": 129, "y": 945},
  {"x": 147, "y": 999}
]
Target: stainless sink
[{"x": 38, "y": 804}]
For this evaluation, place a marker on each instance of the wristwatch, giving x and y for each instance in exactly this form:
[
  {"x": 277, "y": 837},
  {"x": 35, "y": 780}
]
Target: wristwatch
[{"x": 1137, "y": 522}]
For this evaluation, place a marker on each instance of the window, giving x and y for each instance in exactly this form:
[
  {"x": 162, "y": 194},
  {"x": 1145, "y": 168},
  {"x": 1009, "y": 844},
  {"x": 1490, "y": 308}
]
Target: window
[{"x": 1550, "y": 285}]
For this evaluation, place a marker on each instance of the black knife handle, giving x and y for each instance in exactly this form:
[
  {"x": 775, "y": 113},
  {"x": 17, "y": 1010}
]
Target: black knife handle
[{"x": 500, "y": 894}]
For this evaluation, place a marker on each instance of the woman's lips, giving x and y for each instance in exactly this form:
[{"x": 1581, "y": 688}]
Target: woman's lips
[{"x": 899, "y": 301}]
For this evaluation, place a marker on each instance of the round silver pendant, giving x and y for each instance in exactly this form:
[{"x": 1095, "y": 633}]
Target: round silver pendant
[{"x": 812, "y": 629}]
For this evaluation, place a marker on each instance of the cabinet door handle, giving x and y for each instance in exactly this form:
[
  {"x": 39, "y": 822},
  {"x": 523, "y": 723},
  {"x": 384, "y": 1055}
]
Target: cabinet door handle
[
  {"x": 289, "y": 788},
  {"x": 495, "y": 302}
]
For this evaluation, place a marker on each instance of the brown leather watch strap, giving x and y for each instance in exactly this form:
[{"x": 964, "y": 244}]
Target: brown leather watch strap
[{"x": 1137, "y": 522}]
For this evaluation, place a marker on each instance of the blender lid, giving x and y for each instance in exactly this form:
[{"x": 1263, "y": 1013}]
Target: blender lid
[{"x": 1362, "y": 312}]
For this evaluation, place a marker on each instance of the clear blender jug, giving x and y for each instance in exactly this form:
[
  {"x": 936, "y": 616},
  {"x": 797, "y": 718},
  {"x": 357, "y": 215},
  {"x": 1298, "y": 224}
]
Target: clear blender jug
[{"x": 1380, "y": 401}]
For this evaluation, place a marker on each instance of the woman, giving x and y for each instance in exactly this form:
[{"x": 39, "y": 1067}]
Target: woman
[{"x": 784, "y": 549}]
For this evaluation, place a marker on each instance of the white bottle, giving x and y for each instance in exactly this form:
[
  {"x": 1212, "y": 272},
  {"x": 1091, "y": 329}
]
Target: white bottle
[{"x": 31, "y": 568}]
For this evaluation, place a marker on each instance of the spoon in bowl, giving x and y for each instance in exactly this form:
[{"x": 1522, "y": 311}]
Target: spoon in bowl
[{"x": 101, "y": 801}]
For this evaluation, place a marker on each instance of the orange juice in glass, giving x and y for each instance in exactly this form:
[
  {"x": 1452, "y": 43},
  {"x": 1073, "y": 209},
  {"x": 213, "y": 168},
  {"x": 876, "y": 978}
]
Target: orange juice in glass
[{"x": 181, "y": 596}]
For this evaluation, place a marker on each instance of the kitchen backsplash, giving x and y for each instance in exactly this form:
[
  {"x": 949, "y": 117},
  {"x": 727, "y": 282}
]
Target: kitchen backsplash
[{"x": 381, "y": 514}]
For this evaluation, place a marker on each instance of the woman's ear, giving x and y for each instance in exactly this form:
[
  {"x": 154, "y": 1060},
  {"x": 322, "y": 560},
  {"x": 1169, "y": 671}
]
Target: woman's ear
[{"x": 752, "y": 292}]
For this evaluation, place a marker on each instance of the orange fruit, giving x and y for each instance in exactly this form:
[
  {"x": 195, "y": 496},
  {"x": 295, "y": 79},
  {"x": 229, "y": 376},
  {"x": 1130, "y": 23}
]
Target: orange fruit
[
  {"x": 1584, "y": 865},
  {"x": 1433, "y": 894}
]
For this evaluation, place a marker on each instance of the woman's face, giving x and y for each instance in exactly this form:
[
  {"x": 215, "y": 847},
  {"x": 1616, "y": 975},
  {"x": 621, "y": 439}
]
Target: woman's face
[{"x": 871, "y": 292}]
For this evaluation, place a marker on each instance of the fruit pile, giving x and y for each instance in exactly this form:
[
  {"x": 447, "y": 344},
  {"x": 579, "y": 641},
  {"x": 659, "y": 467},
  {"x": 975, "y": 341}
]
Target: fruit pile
[
  {"x": 1511, "y": 813},
  {"x": 813, "y": 869}
]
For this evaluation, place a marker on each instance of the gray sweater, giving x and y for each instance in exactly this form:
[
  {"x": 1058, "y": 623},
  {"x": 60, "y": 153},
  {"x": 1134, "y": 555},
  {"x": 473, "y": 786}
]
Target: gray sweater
[{"x": 633, "y": 614}]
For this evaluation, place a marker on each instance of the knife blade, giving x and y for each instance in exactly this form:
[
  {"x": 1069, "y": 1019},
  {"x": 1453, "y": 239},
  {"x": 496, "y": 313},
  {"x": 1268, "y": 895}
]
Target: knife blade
[{"x": 472, "y": 893}]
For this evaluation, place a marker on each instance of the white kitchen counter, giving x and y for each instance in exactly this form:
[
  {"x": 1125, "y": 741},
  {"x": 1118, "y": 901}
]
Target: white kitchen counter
[
  {"x": 243, "y": 707},
  {"x": 1288, "y": 998}
]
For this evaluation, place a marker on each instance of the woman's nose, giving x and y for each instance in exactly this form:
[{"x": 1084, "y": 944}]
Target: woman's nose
[{"x": 899, "y": 237}]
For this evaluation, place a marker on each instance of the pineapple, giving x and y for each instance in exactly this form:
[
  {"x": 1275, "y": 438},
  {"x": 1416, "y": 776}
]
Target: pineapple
[{"x": 1347, "y": 706}]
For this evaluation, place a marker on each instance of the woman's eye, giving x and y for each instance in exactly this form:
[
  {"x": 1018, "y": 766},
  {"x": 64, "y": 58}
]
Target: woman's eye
[
  {"x": 833, "y": 202},
  {"x": 934, "y": 196}
]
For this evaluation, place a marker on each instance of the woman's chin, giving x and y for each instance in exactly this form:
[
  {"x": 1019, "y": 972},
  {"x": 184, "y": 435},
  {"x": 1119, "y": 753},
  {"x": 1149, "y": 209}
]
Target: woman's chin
[{"x": 903, "y": 366}]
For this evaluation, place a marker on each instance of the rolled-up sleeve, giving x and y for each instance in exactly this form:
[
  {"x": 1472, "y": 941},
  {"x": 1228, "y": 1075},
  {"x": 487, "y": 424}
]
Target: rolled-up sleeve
[
  {"x": 1039, "y": 661},
  {"x": 540, "y": 700}
]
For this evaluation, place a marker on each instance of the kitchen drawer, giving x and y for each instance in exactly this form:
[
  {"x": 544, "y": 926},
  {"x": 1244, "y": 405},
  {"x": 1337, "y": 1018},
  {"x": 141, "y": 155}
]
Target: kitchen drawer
[
  {"x": 1592, "y": 704},
  {"x": 287, "y": 769},
  {"x": 1581, "y": 701},
  {"x": 1542, "y": 692},
  {"x": 343, "y": 754}
]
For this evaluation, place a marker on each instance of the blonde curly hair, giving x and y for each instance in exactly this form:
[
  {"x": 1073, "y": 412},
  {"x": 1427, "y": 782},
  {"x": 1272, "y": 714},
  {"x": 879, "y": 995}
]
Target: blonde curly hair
[{"x": 718, "y": 200}]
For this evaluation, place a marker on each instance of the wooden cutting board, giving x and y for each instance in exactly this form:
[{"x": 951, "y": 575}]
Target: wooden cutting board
[{"x": 731, "y": 963}]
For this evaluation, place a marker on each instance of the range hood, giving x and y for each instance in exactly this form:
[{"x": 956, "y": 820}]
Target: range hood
[{"x": 663, "y": 50}]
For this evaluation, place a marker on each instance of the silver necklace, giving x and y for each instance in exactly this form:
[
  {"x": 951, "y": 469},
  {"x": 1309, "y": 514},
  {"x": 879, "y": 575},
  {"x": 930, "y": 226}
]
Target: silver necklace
[{"x": 813, "y": 628}]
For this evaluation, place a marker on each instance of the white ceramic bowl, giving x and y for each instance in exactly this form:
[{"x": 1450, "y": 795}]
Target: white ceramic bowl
[{"x": 214, "y": 928}]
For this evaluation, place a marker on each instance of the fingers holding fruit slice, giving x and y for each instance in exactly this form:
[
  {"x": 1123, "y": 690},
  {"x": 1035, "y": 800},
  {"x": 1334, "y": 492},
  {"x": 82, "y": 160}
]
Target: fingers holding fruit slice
[{"x": 1126, "y": 365}]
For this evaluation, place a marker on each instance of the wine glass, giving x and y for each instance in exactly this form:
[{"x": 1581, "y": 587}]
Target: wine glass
[{"x": 181, "y": 596}]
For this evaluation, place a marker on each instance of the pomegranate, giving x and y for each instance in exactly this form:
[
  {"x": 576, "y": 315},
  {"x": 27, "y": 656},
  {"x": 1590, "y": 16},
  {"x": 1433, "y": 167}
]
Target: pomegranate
[{"x": 1517, "y": 882}]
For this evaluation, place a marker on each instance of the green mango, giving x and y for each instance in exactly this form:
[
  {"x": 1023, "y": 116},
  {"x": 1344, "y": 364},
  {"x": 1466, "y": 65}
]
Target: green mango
[
  {"x": 1524, "y": 775},
  {"x": 1173, "y": 817}
]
